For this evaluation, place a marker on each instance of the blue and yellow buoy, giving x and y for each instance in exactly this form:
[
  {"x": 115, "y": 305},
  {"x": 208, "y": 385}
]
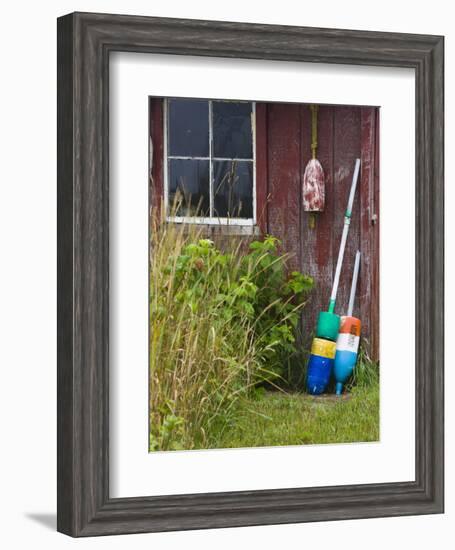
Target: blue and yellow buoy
[{"x": 320, "y": 365}]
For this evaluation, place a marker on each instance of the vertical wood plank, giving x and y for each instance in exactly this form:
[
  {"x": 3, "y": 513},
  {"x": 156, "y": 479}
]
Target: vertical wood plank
[
  {"x": 375, "y": 290},
  {"x": 156, "y": 174},
  {"x": 346, "y": 149},
  {"x": 284, "y": 177},
  {"x": 261, "y": 167},
  {"x": 369, "y": 233},
  {"x": 376, "y": 248},
  {"x": 316, "y": 228}
]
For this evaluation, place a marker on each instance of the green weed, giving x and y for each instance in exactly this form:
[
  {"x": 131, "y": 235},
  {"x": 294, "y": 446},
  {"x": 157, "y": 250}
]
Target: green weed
[{"x": 221, "y": 323}]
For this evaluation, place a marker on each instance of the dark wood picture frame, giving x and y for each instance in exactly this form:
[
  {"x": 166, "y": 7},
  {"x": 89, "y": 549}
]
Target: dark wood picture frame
[{"x": 84, "y": 505}]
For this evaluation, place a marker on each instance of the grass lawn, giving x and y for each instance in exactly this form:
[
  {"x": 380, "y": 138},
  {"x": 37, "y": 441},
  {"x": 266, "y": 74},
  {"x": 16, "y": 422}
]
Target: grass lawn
[{"x": 276, "y": 418}]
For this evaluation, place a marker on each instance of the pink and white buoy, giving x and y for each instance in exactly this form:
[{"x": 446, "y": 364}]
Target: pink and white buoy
[{"x": 313, "y": 189}]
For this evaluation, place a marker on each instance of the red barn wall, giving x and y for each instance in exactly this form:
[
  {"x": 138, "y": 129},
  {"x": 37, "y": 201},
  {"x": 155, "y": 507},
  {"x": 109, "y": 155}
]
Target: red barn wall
[
  {"x": 283, "y": 138},
  {"x": 344, "y": 134}
]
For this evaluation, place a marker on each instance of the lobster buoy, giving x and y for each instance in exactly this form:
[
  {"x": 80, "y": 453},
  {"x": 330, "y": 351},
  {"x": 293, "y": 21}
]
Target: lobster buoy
[
  {"x": 347, "y": 346},
  {"x": 328, "y": 325},
  {"x": 313, "y": 188},
  {"x": 320, "y": 365}
]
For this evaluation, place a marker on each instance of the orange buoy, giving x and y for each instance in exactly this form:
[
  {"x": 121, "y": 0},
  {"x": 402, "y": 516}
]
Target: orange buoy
[{"x": 350, "y": 325}]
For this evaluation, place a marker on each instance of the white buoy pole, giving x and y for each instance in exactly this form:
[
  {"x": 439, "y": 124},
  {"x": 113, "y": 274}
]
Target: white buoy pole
[
  {"x": 344, "y": 236},
  {"x": 355, "y": 276}
]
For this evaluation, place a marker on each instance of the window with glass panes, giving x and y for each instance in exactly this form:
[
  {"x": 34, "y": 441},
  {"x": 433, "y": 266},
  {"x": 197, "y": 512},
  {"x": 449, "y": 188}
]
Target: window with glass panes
[{"x": 209, "y": 160}]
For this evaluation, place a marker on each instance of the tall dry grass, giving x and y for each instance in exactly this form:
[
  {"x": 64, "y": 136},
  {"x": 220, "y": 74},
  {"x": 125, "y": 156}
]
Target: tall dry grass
[
  {"x": 199, "y": 360},
  {"x": 208, "y": 345}
]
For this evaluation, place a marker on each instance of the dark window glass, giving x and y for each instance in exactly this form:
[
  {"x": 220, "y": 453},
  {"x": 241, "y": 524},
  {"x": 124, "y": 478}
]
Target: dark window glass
[
  {"x": 233, "y": 189},
  {"x": 232, "y": 130},
  {"x": 189, "y": 179},
  {"x": 188, "y": 128},
  {"x": 189, "y": 193}
]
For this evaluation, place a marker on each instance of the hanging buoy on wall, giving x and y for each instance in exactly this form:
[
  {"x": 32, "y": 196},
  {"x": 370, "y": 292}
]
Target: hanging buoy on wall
[
  {"x": 347, "y": 345},
  {"x": 313, "y": 189}
]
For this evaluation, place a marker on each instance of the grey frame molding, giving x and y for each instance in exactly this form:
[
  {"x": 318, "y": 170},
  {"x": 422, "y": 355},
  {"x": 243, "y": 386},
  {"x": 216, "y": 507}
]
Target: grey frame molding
[{"x": 84, "y": 43}]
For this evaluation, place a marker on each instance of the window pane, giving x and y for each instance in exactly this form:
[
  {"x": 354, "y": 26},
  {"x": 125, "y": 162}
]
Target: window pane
[
  {"x": 232, "y": 130},
  {"x": 233, "y": 189},
  {"x": 188, "y": 128},
  {"x": 189, "y": 187}
]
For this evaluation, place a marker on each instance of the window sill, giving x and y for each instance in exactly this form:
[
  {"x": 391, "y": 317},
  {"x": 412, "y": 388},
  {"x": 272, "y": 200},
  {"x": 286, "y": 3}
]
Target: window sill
[
  {"x": 212, "y": 230},
  {"x": 239, "y": 230}
]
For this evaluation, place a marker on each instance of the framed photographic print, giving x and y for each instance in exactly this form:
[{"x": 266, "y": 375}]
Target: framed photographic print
[{"x": 250, "y": 252}]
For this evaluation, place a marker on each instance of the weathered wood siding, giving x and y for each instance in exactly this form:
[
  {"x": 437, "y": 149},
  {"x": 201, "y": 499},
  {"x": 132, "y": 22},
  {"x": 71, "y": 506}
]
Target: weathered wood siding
[
  {"x": 344, "y": 134},
  {"x": 283, "y": 147}
]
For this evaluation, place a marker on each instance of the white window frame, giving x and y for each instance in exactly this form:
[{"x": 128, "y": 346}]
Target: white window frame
[{"x": 208, "y": 220}]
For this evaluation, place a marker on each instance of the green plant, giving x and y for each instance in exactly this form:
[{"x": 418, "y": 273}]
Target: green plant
[
  {"x": 277, "y": 303},
  {"x": 220, "y": 323},
  {"x": 366, "y": 372},
  {"x": 168, "y": 435}
]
